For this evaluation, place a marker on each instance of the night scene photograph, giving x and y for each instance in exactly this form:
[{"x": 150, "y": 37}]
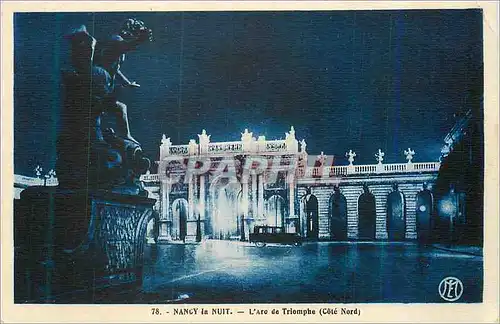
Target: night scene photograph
[{"x": 248, "y": 157}]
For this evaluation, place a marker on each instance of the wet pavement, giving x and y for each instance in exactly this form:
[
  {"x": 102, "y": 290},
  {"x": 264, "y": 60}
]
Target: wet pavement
[{"x": 321, "y": 272}]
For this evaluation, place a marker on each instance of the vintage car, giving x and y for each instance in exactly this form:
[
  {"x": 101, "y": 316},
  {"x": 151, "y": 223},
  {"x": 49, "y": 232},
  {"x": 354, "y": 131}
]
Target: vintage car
[{"x": 273, "y": 234}]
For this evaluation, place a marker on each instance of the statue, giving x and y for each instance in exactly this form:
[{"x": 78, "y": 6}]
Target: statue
[
  {"x": 38, "y": 171},
  {"x": 409, "y": 154},
  {"x": 322, "y": 157},
  {"x": 303, "y": 146},
  {"x": 351, "y": 155},
  {"x": 165, "y": 140},
  {"x": 204, "y": 139},
  {"x": 379, "y": 156},
  {"x": 89, "y": 154},
  {"x": 290, "y": 135}
]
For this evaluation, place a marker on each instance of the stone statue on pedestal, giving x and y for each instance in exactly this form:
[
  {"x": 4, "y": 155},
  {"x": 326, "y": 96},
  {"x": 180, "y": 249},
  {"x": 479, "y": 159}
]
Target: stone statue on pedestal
[
  {"x": 95, "y": 222},
  {"x": 89, "y": 153}
]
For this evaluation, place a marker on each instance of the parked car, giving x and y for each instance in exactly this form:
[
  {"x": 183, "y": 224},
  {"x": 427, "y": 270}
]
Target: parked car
[{"x": 273, "y": 234}]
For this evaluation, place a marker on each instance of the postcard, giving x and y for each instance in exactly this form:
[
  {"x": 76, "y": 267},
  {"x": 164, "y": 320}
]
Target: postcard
[{"x": 260, "y": 161}]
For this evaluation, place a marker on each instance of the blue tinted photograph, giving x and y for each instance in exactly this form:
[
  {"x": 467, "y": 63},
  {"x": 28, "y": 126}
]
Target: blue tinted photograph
[{"x": 248, "y": 157}]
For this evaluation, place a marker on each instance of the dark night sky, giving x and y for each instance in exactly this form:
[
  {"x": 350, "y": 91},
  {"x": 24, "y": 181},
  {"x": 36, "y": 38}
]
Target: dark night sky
[{"x": 360, "y": 80}]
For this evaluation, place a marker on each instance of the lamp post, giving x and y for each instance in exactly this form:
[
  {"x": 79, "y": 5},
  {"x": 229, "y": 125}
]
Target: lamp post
[{"x": 448, "y": 208}]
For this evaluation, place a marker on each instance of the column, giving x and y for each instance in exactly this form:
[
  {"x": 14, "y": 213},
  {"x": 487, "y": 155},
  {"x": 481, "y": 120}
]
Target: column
[
  {"x": 163, "y": 193},
  {"x": 244, "y": 197},
  {"x": 254, "y": 195},
  {"x": 165, "y": 222},
  {"x": 410, "y": 200},
  {"x": 381, "y": 194},
  {"x": 196, "y": 198},
  {"x": 202, "y": 197},
  {"x": 244, "y": 212},
  {"x": 190, "y": 197},
  {"x": 291, "y": 197},
  {"x": 260, "y": 203},
  {"x": 291, "y": 224}
]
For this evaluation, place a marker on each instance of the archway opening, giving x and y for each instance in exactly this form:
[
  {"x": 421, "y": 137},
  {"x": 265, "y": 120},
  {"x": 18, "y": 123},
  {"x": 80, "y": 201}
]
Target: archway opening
[
  {"x": 366, "y": 216},
  {"x": 275, "y": 211},
  {"x": 312, "y": 221},
  {"x": 226, "y": 210},
  {"x": 180, "y": 215},
  {"x": 338, "y": 216},
  {"x": 396, "y": 219},
  {"x": 424, "y": 216}
]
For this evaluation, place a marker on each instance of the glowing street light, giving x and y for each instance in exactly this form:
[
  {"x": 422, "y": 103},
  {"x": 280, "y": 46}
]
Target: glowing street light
[{"x": 448, "y": 208}]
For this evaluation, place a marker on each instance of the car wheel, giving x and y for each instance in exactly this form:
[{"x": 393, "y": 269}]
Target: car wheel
[{"x": 260, "y": 244}]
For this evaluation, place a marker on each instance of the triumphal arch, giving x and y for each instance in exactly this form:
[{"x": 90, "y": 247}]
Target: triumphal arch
[{"x": 221, "y": 190}]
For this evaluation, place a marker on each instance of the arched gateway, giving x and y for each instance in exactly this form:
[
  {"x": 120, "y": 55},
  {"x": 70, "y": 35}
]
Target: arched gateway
[
  {"x": 367, "y": 215},
  {"x": 312, "y": 217},
  {"x": 396, "y": 216},
  {"x": 225, "y": 209},
  {"x": 275, "y": 211},
  {"x": 424, "y": 212},
  {"x": 338, "y": 216},
  {"x": 180, "y": 217}
]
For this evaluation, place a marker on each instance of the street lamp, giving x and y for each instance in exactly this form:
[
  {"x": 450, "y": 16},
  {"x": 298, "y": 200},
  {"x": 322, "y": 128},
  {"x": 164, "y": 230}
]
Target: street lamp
[{"x": 448, "y": 208}]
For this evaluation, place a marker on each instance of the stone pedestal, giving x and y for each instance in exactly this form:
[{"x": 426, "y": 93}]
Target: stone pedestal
[{"x": 70, "y": 244}]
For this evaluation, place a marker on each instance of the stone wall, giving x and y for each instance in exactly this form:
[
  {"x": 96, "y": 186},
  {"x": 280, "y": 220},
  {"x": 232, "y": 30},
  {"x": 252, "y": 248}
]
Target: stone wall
[{"x": 352, "y": 188}]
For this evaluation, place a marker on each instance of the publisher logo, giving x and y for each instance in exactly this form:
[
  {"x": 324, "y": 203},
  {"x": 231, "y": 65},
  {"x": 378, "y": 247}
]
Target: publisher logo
[{"x": 451, "y": 289}]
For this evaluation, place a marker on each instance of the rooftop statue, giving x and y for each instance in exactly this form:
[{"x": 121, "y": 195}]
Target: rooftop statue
[
  {"x": 351, "y": 155},
  {"x": 95, "y": 147}
]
